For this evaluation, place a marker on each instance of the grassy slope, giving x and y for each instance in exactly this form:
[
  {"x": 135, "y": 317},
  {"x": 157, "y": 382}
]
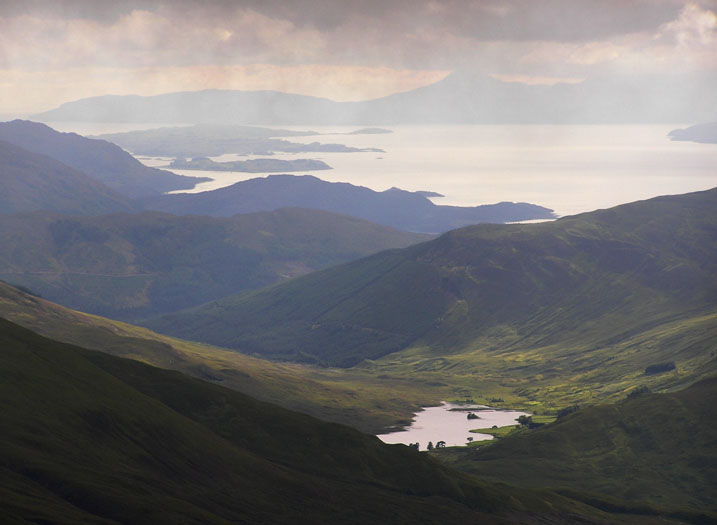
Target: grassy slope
[
  {"x": 351, "y": 397},
  {"x": 655, "y": 449},
  {"x": 89, "y": 436},
  {"x": 543, "y": 315},
  {"x": 132, "y": 266}
]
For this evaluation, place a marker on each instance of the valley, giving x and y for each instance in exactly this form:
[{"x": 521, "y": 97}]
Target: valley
[{"x": 356, "y": 263}]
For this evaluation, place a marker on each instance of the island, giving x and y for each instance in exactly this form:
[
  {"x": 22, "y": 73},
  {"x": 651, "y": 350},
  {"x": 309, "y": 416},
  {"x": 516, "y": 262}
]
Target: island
[
  {"x": 250, "y": 166},
  {"x": 369, "y": 131},
  {"x": 703, "y": 133},
  {"x": 215, "y": 140}
]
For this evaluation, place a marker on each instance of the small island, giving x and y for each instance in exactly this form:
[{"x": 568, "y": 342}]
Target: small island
[
  {"x": 204, "y": 140},
  {"x": 702, "y": 133},
  {"x": 250, "y": 166}
]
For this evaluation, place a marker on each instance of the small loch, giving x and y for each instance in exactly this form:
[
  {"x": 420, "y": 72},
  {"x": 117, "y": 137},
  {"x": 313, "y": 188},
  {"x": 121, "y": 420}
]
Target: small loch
[{"x": 450, "y": 423}]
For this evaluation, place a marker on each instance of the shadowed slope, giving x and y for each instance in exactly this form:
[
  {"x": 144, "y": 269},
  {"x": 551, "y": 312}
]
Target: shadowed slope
[
  {"x": 405, "y": 210},
  {"x": 99, "y": 159},
  {"x": 30, "y": 181},
  {"x": 89, "y": 436},
  {"x": 349, "y": 397},
  {"x": 133, "y": 266}
]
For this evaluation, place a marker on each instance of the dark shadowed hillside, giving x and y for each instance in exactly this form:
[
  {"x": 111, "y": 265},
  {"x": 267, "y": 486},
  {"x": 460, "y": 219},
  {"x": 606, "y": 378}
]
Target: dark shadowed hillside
[
  {"x": 29, "y": 182},
  {"x": 132, "y": 266},
  {"x": 356, "y": 399},
  {"x": 411, "y": 211},
  {"x": 92, "y": 438},
  {"x": 98, "y": 159}
]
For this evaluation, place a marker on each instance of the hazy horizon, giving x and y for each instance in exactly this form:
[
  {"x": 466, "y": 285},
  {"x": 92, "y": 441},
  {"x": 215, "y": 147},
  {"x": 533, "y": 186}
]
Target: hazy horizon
[{"x": 56, "y": 52}]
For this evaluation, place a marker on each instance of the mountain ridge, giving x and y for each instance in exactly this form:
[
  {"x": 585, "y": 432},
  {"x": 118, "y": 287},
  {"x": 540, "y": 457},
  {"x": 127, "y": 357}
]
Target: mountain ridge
[
  {"x": 404, "y": 210},
  {"x": 32, "y": 181},
  {"x": 129, "y": 266},
  {"x": 98, "y": 159},
  {"x": 523, "y": 307}
]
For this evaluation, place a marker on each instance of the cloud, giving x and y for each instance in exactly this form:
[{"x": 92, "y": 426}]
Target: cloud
[
  {"x": 686, "y": 43},
  {"x": 321, "y": 47},
  {"x": 537, "y": 80},
  {"x": 694, "y": 28}
]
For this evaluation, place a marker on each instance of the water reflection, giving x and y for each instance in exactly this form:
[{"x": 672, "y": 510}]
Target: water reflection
[{"x": 450, "y": 423}]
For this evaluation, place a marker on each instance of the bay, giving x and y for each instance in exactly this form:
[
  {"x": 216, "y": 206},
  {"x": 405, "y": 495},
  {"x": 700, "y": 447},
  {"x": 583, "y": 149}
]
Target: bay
[{"x": 568, "y": 168}]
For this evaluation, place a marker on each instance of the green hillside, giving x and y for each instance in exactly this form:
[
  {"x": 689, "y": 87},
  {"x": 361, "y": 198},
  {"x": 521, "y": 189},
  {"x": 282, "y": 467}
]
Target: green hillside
[
  {"x": 92, "y": 438},
  {"x": 352, "y": 397},
  {"x": 132, "y": 266},
  {"x": 30, "y": 181},
  {"x": 550, "y": 313},
  {"x": 652, "y": 449}
]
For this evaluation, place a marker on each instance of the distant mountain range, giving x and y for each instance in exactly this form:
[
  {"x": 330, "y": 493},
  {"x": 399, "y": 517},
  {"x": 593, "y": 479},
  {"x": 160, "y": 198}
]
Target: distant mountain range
[
  {"x": 129, "y": 266},
  {"x": 462, "y": 97},
  {"x": 30, "y": 182},
  {"x": 404, "y": 210},
  {"x": 98, "y": 159}
]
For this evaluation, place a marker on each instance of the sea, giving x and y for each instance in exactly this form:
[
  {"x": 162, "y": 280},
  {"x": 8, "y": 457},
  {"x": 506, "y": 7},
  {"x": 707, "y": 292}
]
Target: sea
[{"x": 567, "y": 168}]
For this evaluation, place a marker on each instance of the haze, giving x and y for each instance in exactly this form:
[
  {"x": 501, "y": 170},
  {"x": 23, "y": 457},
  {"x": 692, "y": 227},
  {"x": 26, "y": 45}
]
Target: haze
[{"x": 54, "y": 52}]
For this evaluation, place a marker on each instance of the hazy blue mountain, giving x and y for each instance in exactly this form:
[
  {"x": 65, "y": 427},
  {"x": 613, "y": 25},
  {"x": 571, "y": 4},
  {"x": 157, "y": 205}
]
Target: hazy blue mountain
[
  {"x": 198, "y": 107},
  {"x": 99, "y": 159},
  {"x": 29, "y": 182},
  {"x": 462, "y": 97},
  {"x": 705, "y": 133},
  {"x": 410, "y": 211},
  {"x": 473, "y": 98},
  {"x": 132, "y": 266}
]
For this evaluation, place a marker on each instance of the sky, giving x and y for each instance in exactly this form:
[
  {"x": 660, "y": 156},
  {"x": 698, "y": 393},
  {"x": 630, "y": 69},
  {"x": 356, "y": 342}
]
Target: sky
[{"x": 54, "y": 51}]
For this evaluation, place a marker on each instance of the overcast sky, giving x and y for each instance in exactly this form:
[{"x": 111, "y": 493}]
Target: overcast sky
[{"x": 53, "y": 51}]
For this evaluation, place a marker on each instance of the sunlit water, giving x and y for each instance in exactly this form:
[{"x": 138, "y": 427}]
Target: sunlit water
[
  {"x": 568, "y": 168},
  {"x": 440, "y": 423}
]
